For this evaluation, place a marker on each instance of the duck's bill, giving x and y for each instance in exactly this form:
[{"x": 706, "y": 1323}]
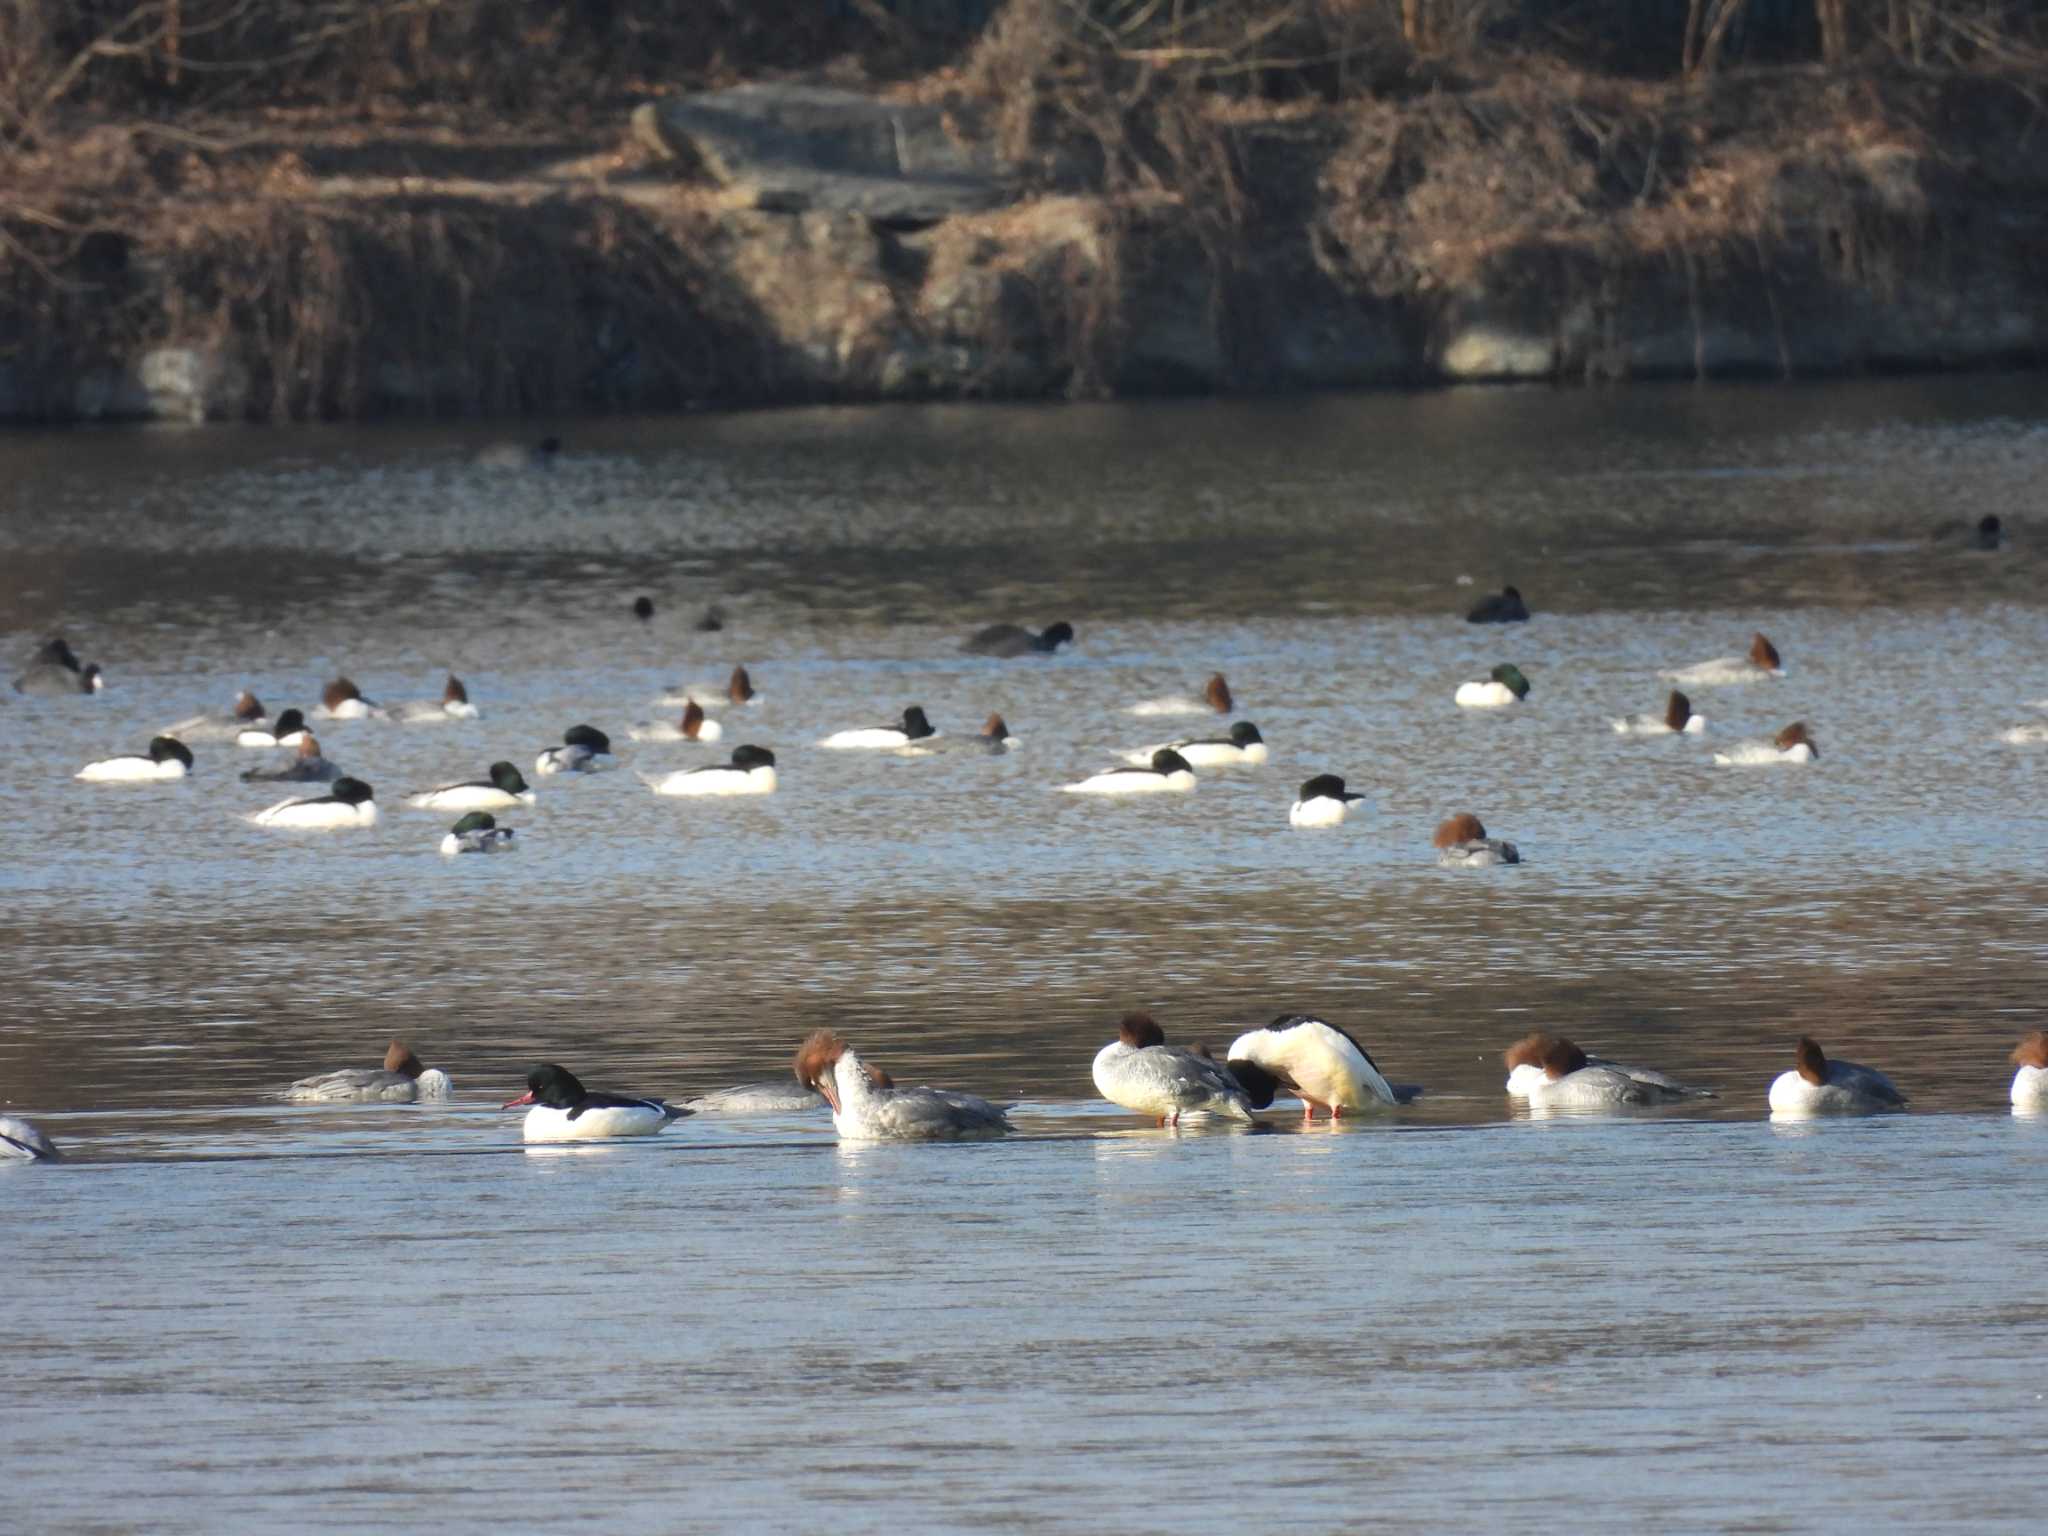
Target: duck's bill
[{"x": 524, "y": 1098}]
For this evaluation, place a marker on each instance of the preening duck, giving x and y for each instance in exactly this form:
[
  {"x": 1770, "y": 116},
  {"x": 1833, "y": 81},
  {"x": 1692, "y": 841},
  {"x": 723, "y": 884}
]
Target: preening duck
[
  {"x": 1528, "y": 1058},
  {"x": 564, "y": 1110},
  {"x": 1317, "y": 1062},
  {"x": 1817, "y": 1085},
  {"x": 2030, "y": 1082},
  {"x": 584, "y": 749},
  {"x": 478, "y": 832},
  {"x": 1141, "y": 1072},
  {"x": 401, "y": 1080},
  {"x": 1461, "y": 843},
  {"x": 864, "y": 1110}
]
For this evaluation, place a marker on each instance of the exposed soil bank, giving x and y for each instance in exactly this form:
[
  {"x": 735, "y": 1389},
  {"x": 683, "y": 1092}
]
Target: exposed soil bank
[{"x": 1555, "y": 227}]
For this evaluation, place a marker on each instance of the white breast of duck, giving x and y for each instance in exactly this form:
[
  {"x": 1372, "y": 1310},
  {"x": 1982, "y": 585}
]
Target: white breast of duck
[
  {"x": 342, "y": 700},
  {"x": 504, "y": 788},
  {"x": 1140, "y": 1071},
  {"x": 288, "y": 730},
  {"x": 2030, "y": 1082},
  {"x": 914, "y": 727},
  {"x": 864, "y": 1109},
  {"x": 1794, "y": 744},
  {"x": 1527, "y": 1072},
  {"x": 750, "y": 772},
  {"x": 1760, "y": 665},
  {"x": 1169, "y": 771},
  {"x": 168, "y": 758},
  {"x": 584, "y": 749},
  {"x": 1323, "y": 801},
  {"x": 1319, "y": 1063},
  {"x": 401, "y": 1080},
  {"x": 1817, "y": 1085},
  {"x": 1504, "y": 686},
  {"x": 478, "y": 832},
  {"x": 350, "y": 805},
  {"x": 1677, "y": 719},
  {"x": 22, "y": 1141},
  {"x": 564, "y": 1110},
  {"x": 1461, "y": 843},
  {"x": 1243, "y": 746}
]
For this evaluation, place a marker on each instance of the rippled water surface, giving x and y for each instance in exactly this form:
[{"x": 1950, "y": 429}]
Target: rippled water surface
[{"x": 346, "y": 1318}]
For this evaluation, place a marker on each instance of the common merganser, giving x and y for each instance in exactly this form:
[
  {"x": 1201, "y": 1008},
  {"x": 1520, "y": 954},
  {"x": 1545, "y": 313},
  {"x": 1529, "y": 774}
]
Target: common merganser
[
  {"x": 1561, "y": 1076},
  {"x": 54, "y": 672},
  {"x": 1791, "y": 745},
  {"x": 342, "y": 700},
  {"x": 564, "y": 1110},
  {"x": 306, "y": 767},
  {"x": 1526, "y": 1071},
  {"x": 1168, "y": 771},
  {"x": 452, "y": 705},
  {"x": 401, "y": 1080},
  {"x": 584, "y": 749},
  {"x": 864, "y": 1110},
  {"x": 288, "y": 730},
  {"x": 478, "y": 832},
  {"x": 1462, "y": 843},
  {"x": 1677, "y": 718},
  {"x": 1760, "y": 665},
  {"x": 1820, "y": 1086},
  {"x": 350, "y": 805},
  {"x": 1505, "y": 686},
  {"x": 1140, "y": 1071},
  {"x": 504, "y": 788},
  {"x": 1317, "y": 1062},
  {"x": 751, "y": 771},
  {"x": 913, "y": 728},
  {"x": 1323, "y": 801},
  {"x": 1015, "y": 640},
  {"x": 995, "y": 735},
  {"x": 168, "y": 758},
  {"x": 248, "y": 711},
  {"x": 2030, "y": 1082},
  {"x": 1504, "y": 607},
  {"x": 21, "y": 1141},
  {"x": 1215, "y": 700},
  {"x": 692, "y": 727},
  {"x": 1244, "y": 745},
  {"x": 738, "y": 690},
  {"x": 779, "y": 1098}
]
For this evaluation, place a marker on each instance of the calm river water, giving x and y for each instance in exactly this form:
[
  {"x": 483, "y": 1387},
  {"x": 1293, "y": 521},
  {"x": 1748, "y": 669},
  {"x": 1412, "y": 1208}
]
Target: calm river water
[{"x": 231, "y": 1313}]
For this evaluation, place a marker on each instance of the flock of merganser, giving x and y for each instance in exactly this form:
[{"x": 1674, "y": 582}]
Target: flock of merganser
[{"x": 1317, "y": 1062}]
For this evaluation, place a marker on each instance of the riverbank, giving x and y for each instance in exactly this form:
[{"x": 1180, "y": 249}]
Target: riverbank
[{"x": 1540, "y": 225}]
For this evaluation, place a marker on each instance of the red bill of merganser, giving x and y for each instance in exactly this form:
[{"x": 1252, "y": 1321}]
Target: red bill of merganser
[
  {"x": 452, "y": 705},
  {"x": 1677, "y": 719},
  {"x": 1794, "y": 744},
  {"x": 1141, "y": 1072},
  {"x": 342, "y": 700},
  {"x": 288, "y": 730},
  {"x": 22, "y": 1142},
  {"x": 1503, "y": 686},
  {"x": 864, "y": 1110},
  {"x": 247, "y": 711},
  {"x": 1820, "y": 1086},
  {"x": 564, "y": 1110},
  {"x": 1243, "y": 746},
  {"x": 692, "y": 727},
  {"x": 1566, "y": 1078},
  {"x": 401, "y": 1080},
  {"x": 1760, "y": 665},
  {"x": 1315, "y": 1061},
  {"x": 2030, "y": 1082},
  {"x": 1525, "y": 1061},
  {"x": 584, "y": 749},
  {"x": 306, "y": 767},
  {"x": 913, "y": 728},
  {"x": 1461, "y": 843},
  {"x": 1215, "y": 700},
  {"x": 1015, "y": 640},
  {"x": 1323, "y": 801},
  {"x": 1168, "y": 771},
  {"x": 168, "y": 758}
]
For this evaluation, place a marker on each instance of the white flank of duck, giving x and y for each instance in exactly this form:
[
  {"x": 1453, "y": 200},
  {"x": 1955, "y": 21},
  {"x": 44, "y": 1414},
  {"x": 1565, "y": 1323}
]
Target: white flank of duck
[
  {"x": 1243, "y": 746},
  {"x": 751, "y": 771},
  {"x": 350, "y": 805},
  {"x": 503, "y": 789},
  {"x": 168, "y": 758},
  {"x": 288, "y": 730},
  {"x": 2030, "y": 1082},
  {"x": 564, "y": 1110},
  {"x": 342, "y": 700},
  {"x": 21, "y": 1141},
  {"x": 1169, "y": 772},
  {"x": 914, "y": 727}
]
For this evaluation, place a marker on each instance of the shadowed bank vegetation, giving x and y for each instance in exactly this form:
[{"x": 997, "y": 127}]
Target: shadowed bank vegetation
[{"x": 432, "y": 205}]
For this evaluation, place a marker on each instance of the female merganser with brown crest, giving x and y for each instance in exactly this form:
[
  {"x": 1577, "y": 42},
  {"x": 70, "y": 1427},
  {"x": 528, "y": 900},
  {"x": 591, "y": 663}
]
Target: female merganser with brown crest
[
  {"x": 564, "y": 1110},
  {"x": 692, "y": 727},
  {"x": 1317, "y": 1062},
  {"x": 306, "y": 767},
  {"x": 452, "y": 705},
  {"x": 401, "y": 1080},
  {"x": 2030, "y": 1082},
  {"x": 1140, "y": 1071},
  {"x": 1794, "y": 744},
  {"x": 1760, "y": 665},
  {"x": 1562, "y": 1076},
  {"x": 1462, "y": 843},
  {"x": 342, "y": 700},
  {"x": 864, "y": 1110},
  {"x": 1527, "y": 1070},
  {"x": 1215, "y": 700},
  {"x": 248, "y": 711},
  {"x": 1677, "y": 719},
  {"x": 1820, "y": 1086}
]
